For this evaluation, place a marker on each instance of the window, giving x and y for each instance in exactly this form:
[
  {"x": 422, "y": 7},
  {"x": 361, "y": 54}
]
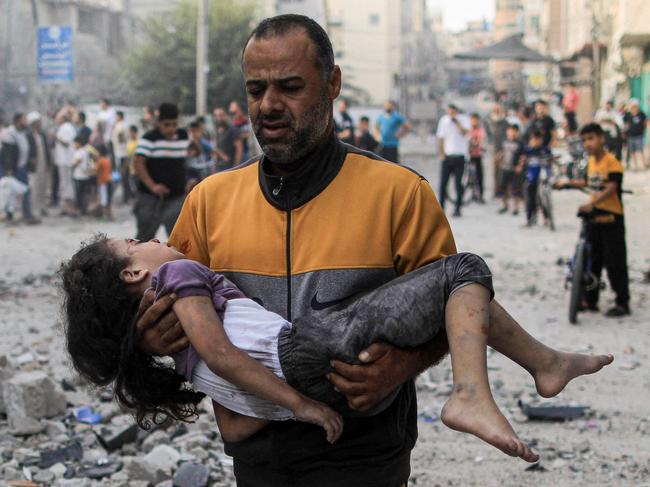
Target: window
[
  {"x": 374, "y": 19},
  {"x": 90, "y": 21}
]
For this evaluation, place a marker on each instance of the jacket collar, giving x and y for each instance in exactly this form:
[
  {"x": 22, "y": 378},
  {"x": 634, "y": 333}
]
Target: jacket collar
[{"x": 315, "y": 172}]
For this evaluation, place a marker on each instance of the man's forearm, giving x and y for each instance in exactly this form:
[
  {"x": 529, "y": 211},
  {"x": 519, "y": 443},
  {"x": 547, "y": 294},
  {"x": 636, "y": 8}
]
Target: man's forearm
[{"x": 429, "y": 354}]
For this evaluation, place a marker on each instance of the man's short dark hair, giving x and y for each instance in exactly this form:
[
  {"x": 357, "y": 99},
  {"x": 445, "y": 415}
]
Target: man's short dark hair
[
  {"x": 167, "y": 111},
  {"x": 541, "y": 102},
  {"x": 119, "y": 113},
  {"x": 105, "y": 100},
  {"x": 475, "y": 115},
  {"x": 451, "y": 106},
  {"x": 536, "y": 134},
  {"x": 82, "y": 116},
  {"x": 514, "y": 126},
  {"x": 17, "y": 116},
  {"x": 283, "y": 24},
  {"x": 195, "y": 125},
  {"x": 364, "y": 119},
  {"x": 592, "y": 128},
  {"x": 133, "y": 128}
]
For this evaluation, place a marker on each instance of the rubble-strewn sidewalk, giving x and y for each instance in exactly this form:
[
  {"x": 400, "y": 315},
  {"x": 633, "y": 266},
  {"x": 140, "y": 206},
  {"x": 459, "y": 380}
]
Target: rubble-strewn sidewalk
[{"x": 44, "y": 442}]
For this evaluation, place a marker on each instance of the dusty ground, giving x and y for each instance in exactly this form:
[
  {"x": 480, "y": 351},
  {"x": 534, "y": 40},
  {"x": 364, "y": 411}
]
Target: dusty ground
[{"x": 610, "y": 447}]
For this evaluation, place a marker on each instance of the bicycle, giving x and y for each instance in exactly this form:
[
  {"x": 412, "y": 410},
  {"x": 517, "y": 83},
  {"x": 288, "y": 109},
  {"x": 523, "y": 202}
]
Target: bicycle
[{"x": 579, "y": 277}]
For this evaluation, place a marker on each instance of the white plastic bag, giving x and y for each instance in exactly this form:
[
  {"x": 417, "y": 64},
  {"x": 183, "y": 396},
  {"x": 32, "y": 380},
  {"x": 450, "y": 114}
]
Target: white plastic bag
[{"x": 11, "y": 193}]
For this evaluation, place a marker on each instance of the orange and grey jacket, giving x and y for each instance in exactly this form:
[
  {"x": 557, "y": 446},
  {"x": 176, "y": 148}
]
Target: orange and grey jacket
[{"x": 345, "y": 222}]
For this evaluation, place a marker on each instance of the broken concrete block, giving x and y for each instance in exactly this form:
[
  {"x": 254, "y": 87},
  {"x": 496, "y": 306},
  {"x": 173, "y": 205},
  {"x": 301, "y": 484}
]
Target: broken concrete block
[
  {"x": 138, "y": 468},
  {"x": 5, "y": 374},
  {"x": 192, "y": 475},
  {"x": 163, "y": 456},
  {"x": 30, "y": 396}
]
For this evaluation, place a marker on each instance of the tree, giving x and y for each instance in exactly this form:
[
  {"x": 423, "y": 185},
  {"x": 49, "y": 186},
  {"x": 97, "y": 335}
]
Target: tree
[{"x": 161, "y": 67}]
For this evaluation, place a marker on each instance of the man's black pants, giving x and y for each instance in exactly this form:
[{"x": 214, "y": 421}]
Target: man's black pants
[
  {"x": 452, "y": 165},
  {"x": 478, "y": 164},
  {"x": 531, "y": 201},
  {"x": 608, "y": 250}
]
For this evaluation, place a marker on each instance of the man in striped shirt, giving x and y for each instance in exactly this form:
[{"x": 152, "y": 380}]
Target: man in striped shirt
[{"x": 160, "y": 168}]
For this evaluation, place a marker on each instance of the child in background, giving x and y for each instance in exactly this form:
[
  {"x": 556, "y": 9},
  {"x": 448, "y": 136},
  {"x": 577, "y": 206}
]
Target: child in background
[
  {"x": 83, "y": 174},
  {"x": 365, "y": 140},
  {"x": 606, "y": 230},
  {"x": 104, "y": 183},
  {"x": 537, "y": 158},
  {"x": 476, "y": 149},
  {"x": 511, "y": 180}
]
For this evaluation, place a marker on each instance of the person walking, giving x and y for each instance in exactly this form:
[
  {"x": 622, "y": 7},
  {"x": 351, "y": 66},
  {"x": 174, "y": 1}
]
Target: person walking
[
  {"x": 344, "y": 123},
  {"x": 390, "y": 127},
  {"x": 634, "y": 122},
  {"x": 453, "y": 145},
  {"x": 240, "y": 121},
  {"x": 273, "y": 226},
  {"x": 229, "y": 144},
  {"x": 63, "y": 154},
  {"x": 160, "y": 168},
  {"x": 41, "y": 163},
  {"x": 570, "y": 102},
  {"x": 16, "y": 161},
  {"x": 119, "y": 140}
]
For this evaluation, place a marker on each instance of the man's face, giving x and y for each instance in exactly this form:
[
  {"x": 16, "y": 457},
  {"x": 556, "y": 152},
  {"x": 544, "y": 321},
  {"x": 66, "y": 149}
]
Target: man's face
[
  {"x": 452, "y": 112},
  {"x": 388, "y": 106},
  {"x": 593, "y": 143},
  {"x": 512, "y": 134},
  {"x": 536, "y": 142},
  {"x": 609, "y": 107},
  {"x": 290, "y": 106},
  {"x": 343, "y": 107},
  {"x": 475, "y": 122},
  {"x": 540, "y": 109},
  {"x": 220, "y": 116},
  {"x": 36, "y": 126},
  {"x": 168, "y": 127},
  {"x": 103, "y": 105},
  {"x": 20, "y": 123},
  {"x": 234, "y": 108},
  {"x": 634, "y": 109}
]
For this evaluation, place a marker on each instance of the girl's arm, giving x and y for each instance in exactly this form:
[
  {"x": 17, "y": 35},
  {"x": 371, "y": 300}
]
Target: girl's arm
[{"x": 205, "y": 332}]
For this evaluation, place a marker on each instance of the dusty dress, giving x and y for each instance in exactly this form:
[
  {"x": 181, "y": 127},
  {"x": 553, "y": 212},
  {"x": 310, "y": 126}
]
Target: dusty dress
[{"x": 406, "y": 312}]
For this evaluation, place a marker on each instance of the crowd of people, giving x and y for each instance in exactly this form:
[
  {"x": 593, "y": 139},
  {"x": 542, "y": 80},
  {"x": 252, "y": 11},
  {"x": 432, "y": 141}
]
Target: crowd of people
[{"x": 57, "y": 163}]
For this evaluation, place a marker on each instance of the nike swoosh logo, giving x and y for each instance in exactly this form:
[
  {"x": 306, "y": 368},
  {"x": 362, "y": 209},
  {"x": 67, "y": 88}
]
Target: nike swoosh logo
[{"x": 317, "y": 305}]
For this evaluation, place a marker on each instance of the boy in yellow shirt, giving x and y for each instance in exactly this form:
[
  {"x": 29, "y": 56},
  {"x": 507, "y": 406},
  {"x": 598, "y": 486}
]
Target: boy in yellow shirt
[{"x": 606, "y": 232}]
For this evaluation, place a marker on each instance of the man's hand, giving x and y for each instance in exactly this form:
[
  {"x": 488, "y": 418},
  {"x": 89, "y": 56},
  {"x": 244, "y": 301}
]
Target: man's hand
[
  {"x": 384, "y": 367},
  {"x": 588, "y": 208},
  {"x": 161, "y": 332},
  {"x": 159, "y": 189}
]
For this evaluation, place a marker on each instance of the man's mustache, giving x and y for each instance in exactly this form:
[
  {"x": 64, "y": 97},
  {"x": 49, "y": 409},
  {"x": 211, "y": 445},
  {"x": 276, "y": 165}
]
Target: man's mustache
[{"x": 274, "y": 118}]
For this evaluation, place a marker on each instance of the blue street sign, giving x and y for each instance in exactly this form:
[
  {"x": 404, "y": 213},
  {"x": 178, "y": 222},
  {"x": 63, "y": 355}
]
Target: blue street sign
[{"x": 54, "y": 55}]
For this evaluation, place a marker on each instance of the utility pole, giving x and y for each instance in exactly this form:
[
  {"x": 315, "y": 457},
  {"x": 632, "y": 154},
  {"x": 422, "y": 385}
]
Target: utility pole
[
  {"x": 202, "y": 67},
  {"x": 595, "y": 53}
]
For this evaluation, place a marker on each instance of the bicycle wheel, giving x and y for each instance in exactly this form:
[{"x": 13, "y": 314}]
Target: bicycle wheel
[
  {"x": 577, "y": 282},
  {"x": 546, "y": 204}
]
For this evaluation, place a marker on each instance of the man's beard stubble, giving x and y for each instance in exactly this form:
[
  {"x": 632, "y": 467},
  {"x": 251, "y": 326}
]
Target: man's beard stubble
[{"x": 304, "y": 135}]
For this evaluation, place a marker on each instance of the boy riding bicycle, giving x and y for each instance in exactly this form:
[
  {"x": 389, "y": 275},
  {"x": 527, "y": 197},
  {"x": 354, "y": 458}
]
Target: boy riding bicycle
[{"x": 606, "y": 232}]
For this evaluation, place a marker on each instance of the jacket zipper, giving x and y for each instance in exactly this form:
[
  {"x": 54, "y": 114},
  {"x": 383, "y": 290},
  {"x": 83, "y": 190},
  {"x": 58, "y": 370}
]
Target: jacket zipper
[{"x": 276, "y": 192}]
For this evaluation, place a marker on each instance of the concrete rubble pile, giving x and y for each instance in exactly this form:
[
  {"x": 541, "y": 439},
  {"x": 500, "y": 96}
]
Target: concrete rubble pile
[{"x": 46, "y": 441}]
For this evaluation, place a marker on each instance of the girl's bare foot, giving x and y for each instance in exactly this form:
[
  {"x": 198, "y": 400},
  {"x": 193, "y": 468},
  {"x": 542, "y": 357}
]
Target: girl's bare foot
[
  {"x": 471, "y": 411},
  {"x": 551, "y": 380}
]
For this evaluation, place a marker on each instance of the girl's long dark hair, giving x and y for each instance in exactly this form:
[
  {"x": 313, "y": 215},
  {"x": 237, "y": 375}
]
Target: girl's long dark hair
[{"x": 102, "y": 339}]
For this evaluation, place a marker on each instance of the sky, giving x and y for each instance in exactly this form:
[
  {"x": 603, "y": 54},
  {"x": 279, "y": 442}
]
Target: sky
[{"x": 456, "y": 13}]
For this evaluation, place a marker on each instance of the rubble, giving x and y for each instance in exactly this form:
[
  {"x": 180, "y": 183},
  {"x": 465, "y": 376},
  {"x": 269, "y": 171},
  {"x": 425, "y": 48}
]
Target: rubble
[{"x": 29, "y": 397}]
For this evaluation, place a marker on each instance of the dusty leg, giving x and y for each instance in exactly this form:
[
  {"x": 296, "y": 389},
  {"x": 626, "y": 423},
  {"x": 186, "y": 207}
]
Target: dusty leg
[
  {"x": 551, "y": 369},
  {"x": 471, "y": 407}
]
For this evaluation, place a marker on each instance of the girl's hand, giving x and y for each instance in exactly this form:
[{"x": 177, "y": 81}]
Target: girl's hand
[{"x": 314, "y": 412}]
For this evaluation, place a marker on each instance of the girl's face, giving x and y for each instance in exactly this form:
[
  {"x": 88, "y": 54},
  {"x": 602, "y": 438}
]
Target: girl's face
[{"x": 144, "y": 255}]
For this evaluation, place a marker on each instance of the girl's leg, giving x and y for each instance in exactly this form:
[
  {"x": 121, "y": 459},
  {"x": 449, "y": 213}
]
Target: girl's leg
[
  {"x": 551, "y": 369},
  {"x": 471, "y": 407}
]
